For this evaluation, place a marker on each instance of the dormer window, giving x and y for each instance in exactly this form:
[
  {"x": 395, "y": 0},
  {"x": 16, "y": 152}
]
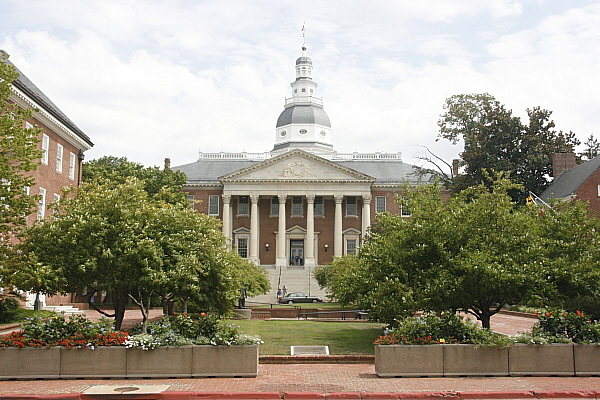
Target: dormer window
[{"x": 303, "y": 90}]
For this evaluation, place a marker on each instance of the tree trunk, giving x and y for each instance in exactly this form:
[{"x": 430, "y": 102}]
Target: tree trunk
[
  {"x": 485, "y": 317},
  {"x": 119, "y": 303},
  {"x": 184, "y": 304}
]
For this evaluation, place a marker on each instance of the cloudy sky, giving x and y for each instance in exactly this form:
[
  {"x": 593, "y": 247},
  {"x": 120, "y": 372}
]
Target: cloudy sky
[{"x": 156, "y": 79}]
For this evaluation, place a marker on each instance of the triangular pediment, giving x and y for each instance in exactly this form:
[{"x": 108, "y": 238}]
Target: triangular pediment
[{"x": 296, "y": 165}]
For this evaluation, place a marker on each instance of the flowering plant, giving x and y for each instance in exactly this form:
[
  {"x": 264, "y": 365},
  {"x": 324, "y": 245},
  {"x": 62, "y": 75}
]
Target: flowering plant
[
  {"x": 572, "y": 326},
  {"x": 77, "y": 332},
  {"x": 186, "y": 329},
  {"x": 446, "y": 327}
]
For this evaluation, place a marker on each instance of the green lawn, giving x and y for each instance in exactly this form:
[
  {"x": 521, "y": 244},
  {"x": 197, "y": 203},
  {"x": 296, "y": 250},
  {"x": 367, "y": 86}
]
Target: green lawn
[
  {"x": 22, "y": 314},
  {"x": 341, "y": 337}
]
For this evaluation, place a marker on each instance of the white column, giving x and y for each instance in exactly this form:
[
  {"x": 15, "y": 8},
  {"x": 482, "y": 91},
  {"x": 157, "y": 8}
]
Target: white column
[
  {"x": 338, "y": 244},
  {"x": 227, "y": 219},
  {"x": 309, "y": 248},
  {"x": 253, "y": 250},
  {"x": 281, "y": 258},
  {"x": 366, "y": 214}
]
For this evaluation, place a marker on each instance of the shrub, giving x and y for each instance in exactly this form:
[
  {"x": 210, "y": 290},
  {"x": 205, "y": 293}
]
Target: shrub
[
  {"x": 572, "y": 326},
  {"x": 8, "y": 309},
  {"x": 447, "y": 327}
]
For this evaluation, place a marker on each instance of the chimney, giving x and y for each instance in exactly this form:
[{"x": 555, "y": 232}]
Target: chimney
[
  {"x": 562, "y": 162},
  {"x": 455, "y": 167},
  {"x": 167, "y": 163}
]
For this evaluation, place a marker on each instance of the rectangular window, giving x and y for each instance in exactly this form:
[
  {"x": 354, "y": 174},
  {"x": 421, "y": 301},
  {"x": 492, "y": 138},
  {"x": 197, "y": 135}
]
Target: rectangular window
[
  {"x": 351, "y": 206},
  {"x": 190, "y": 198},
  {"x": 59, "y": 157},
  {"x": 275, "y": 206},
  {"x": 319, "y": 206},
  {"x": 28, "y": 125},
  {"x": 297, "y": 206},
  {"x": 45, "y": 145},
  {"x": 41, "y": 212},
  {"x": 380, "y": 204},
  {"x": 213, "y": 205},
  {"x": 242, "y": 247},
  {"x": 404, "y": 211},
  {"x": 351, "y": 246},
  {"x": 71, "y": 166},
  {"x": 243, "y": 205}
]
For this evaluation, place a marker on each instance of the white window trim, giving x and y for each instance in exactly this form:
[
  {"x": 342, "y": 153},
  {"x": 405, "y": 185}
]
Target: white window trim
[
  {"x": 59, "y": 157},
  {"x": 351, "y": 234},
  {"x": 355, "y": 215},
  {"x": 377, "y": 198},
  {"x": 301, "y": 207},
  {"x": 191, "y": 200},
  {"x": 274, "y": 210},
  {"x": 322, "y": 213},
  {"x": 45, "y": 147},
  {"x": 211, "y": 198},
  {"x": 242, "y": 233},
  {"x": 41, "y": 212},
  {"x": 72, "y": 163},
  {"x": 243, "y": 214}
]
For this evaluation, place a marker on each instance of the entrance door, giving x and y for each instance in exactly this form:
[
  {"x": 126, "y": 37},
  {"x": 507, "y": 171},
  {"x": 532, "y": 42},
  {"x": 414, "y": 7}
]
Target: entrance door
[{"x": 296, "y": 252}]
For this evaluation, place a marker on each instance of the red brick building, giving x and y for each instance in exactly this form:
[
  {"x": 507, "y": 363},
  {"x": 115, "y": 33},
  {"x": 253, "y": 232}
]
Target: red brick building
[
  {"x": 303, "y": 203},
  {"x": 62, "y": 144},
  {"x": 572, "y": 181}
]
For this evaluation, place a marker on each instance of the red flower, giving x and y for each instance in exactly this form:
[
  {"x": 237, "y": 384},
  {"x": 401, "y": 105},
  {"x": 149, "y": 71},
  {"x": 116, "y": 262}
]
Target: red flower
[
  {"x": 548, "y": 314},
  {"x": 579, "y": 313}
]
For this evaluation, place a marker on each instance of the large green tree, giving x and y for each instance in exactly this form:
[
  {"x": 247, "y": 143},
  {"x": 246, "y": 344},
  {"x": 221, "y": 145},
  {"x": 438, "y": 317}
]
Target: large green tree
[
  {"x": 19, "y": 157},
  {"x": 496, "y": 140},
  {"x": 115, "y": 237},
  {"x": 162, "y": 184},
  {"x": 475, "y": 252}
]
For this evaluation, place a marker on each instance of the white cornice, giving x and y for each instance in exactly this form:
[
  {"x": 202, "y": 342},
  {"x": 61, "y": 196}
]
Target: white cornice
[
  {"x": 231, "y": 177},
  {"x": 24, "y": 101}
]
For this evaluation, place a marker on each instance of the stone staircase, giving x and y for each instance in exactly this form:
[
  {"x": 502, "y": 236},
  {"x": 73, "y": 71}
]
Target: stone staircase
[{"x": 295, "y": 279}]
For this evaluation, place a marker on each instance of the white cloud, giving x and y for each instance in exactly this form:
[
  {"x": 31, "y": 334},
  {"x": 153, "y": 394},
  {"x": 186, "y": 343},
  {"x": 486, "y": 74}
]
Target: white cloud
[{"x": 165, "y": 79}]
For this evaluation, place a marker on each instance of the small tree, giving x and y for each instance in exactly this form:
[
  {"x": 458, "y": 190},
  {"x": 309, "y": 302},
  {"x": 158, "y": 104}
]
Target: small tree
[
  {"x": 476, "y": 252},
  {"x": 113, "y": 237},
  {"x": 19, "y": 157}
]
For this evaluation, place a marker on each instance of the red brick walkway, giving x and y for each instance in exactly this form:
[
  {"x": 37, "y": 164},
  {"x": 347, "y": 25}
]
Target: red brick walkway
[{"x": 332, "y": 378}]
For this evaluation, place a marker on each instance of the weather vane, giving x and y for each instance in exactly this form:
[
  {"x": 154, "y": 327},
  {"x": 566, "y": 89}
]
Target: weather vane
[{"x": 303, "y": 37}]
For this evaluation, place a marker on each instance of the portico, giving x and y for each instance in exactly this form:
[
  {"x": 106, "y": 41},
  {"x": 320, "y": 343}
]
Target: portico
[{"x": 269, "y": 186}]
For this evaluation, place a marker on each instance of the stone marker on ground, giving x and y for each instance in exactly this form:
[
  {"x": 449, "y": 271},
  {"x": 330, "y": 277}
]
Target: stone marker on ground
[{"x": 310, "y": 350}]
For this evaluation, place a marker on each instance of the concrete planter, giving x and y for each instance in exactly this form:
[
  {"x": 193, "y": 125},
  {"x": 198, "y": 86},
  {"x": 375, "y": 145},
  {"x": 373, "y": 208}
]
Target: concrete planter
[
  {"x": 541, "y": 360},
  {"x": 162, "y": 362},
  {"x": 409, "y": 360},
  {"x": 587, "y": 359},
  {"x": 121, "y": 362},
  {"x": 30, "y": 362},
  {"x": 102, "y": 362},
  {"x": 225, "y": 361},
  {"x": 470, "y": 360}
]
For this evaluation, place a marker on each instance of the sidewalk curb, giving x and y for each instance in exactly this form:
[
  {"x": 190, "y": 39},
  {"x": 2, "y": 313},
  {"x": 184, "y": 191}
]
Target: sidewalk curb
[{"x": 448, "y": 395}]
